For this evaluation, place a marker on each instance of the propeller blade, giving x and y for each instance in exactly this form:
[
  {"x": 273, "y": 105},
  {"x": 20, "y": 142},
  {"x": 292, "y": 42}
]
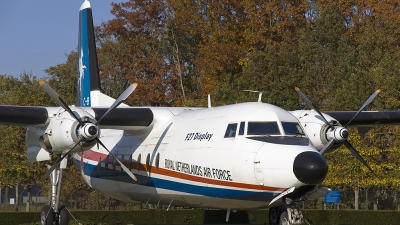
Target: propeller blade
[
  {"x": 308, "y": 101},
  {"x": 119, "y": 100},
  {"x": 120, "y": 163},
  {"x": 358, "y": 156},
  {"x": 57, "y": 98},
  {"x": 326, "y": 146},
  {"x": 369, "y": 100},
  {"x": 59, "y": 161}
]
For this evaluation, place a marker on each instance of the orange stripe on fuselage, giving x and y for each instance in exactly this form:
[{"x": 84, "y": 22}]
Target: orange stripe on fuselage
[{"x": 92, "y": 155}]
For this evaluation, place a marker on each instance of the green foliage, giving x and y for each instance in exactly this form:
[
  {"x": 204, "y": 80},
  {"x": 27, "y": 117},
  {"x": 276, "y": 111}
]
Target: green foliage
[
  {"x": 338, "y": 217},
  {"x": 326, "y": 217},
  {"x": 380, "y": 149},
  {"x": 15, "y": 168},
  {"x": 63, "y": 79}
]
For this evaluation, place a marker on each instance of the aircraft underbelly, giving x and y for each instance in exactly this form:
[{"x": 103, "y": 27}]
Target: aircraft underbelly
[{"x": 139, "y": 193}]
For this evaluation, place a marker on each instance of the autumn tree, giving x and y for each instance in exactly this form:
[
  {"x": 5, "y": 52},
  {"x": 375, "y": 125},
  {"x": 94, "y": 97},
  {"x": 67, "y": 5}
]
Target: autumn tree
[
  {"x": 134, "y": 49},
  {"x": 16, "y": 170},
  {"x": 361, "y": 62}
]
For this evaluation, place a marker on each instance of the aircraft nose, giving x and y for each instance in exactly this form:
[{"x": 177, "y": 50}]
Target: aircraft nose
[{"x": 310, "y": 167}]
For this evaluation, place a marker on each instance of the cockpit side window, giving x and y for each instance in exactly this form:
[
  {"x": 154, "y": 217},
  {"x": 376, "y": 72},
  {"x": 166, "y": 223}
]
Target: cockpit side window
[
  {"x": 292, "y": 128},
  {"x": 241, "y": 128},
  {"x": 231, "y": 130},
  {"x": 263, "y": 128}
]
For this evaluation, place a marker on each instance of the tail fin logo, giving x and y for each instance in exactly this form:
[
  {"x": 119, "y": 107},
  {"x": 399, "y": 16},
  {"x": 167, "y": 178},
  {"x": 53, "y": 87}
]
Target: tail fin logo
[
  {"x": 81, "y": 67},
  {"x": 84, "y": 83}
]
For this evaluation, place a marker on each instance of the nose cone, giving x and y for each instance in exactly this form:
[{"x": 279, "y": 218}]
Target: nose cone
[{"x": 310, "y": 167}]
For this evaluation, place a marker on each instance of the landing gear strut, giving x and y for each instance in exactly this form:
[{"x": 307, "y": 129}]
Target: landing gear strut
[
  {"x": 55, "y": 212},
  {"x": 287, "y": 214}
]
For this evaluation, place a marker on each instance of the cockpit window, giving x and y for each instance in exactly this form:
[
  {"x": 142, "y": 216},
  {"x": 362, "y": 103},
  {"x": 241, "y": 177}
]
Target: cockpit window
[
  {"x": 241, "y": 128},
  {"x": 263, "y": 128},
  {"x": 292, "y": 128},
  {"x": 231, "y": 130}
]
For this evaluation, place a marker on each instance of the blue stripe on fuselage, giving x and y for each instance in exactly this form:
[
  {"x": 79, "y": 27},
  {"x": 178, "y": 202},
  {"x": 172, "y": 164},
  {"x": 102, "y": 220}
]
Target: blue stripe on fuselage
[{"x": 120, "y": 176}]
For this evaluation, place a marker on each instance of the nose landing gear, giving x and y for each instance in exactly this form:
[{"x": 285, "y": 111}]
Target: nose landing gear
[{"x": 287, "y": 214}]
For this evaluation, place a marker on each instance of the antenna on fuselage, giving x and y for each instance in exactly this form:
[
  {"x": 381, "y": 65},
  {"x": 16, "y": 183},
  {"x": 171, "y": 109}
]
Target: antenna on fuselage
[
  {"x": 259, "y": 94},
  {"x": 209, "y": 100}
]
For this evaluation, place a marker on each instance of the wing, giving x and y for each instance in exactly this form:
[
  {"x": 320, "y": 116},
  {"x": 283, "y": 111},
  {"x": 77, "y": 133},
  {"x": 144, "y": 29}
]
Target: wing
[
  {"x": 366, "y": 118},
  {"x": 119, "y": 118},
  {"x": 23, "y": 115}
]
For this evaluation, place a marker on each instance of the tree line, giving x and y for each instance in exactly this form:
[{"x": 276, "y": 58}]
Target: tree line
[{"x": 179, "y": 51}]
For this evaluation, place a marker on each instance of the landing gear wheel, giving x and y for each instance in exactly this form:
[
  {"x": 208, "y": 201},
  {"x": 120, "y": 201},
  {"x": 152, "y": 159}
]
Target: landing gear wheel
[
  {"x": 284, "y": 219},
  {"x": 63, "y": 216},
  {"x": 274, "y": 216},
  {"x": 46, "y": 215}
]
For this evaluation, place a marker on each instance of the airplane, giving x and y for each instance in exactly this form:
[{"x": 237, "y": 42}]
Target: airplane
[{"x": 244, "y": 156}]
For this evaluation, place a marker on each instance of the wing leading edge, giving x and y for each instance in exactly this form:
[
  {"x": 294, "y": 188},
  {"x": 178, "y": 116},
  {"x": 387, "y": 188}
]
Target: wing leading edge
[
  {"x": 23, "y": 115},
  {"x": 367, "y": 118},
  {"x": 120, "y": 118}
]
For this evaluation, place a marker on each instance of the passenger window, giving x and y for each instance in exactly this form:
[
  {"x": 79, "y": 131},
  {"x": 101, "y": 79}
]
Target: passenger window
[
  {"x": 130, "y": 162},
  {"x": 113, "y": 164},
  {"x": 138, "y": 162},
  {"x": 263, "y": 128},
  {"x": 122, "y": 161},
  {"x": 241, "y": 128},
  {"x": 148, "y": 162},
  {"x": 157, "y": 161},
  {"x": 231, "y": 130}
]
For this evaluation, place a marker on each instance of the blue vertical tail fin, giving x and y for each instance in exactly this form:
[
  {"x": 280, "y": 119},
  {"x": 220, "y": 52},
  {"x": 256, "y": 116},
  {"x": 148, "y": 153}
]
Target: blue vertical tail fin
[{"x": 88, "y": 70}]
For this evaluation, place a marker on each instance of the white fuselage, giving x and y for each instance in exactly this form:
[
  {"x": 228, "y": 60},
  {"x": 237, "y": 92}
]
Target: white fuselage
[{"x": 188, "y": 158}]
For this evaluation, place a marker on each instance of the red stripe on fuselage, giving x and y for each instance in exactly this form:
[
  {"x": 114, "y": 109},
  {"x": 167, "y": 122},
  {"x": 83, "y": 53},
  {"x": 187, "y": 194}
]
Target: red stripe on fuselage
[{"x": 92, "y": 155}]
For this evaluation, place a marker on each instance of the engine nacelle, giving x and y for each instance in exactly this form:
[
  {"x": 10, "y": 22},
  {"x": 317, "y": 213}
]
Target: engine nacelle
[
  {"x": 64, "y": 132},
  {"x": 318, "y": 131}
]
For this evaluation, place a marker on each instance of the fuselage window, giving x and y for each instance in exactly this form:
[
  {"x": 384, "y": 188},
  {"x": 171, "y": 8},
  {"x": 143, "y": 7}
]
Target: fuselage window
[
  {"x": 148, "y": 162},
  {"x": 157, "y": 161},
  {"x": 122, "y": 161},
  {"x": 241, "y": 128},
  {"x": 263, "y": 128},
  {"x": 139, "y": 158},
  {"x": 113, "y": 164},
  {"x": 130, "y": 162},
  {"x": 106, "y": 164},
  {"x": 231, "y": 130},
  {"x": 292, "y": 128}
]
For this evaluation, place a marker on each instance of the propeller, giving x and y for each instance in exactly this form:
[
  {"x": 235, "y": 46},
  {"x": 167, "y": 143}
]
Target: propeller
[
  {"x": 57, "y": 98},
  {"x": 91, "y": 130},
  {"x": 54, "y": 166},
  {"x": 369, "y": 100},
  {"x": 120, "y": 163},
  {"x": 309, "y": 102},
  {"x": 343, "y": 130}
]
